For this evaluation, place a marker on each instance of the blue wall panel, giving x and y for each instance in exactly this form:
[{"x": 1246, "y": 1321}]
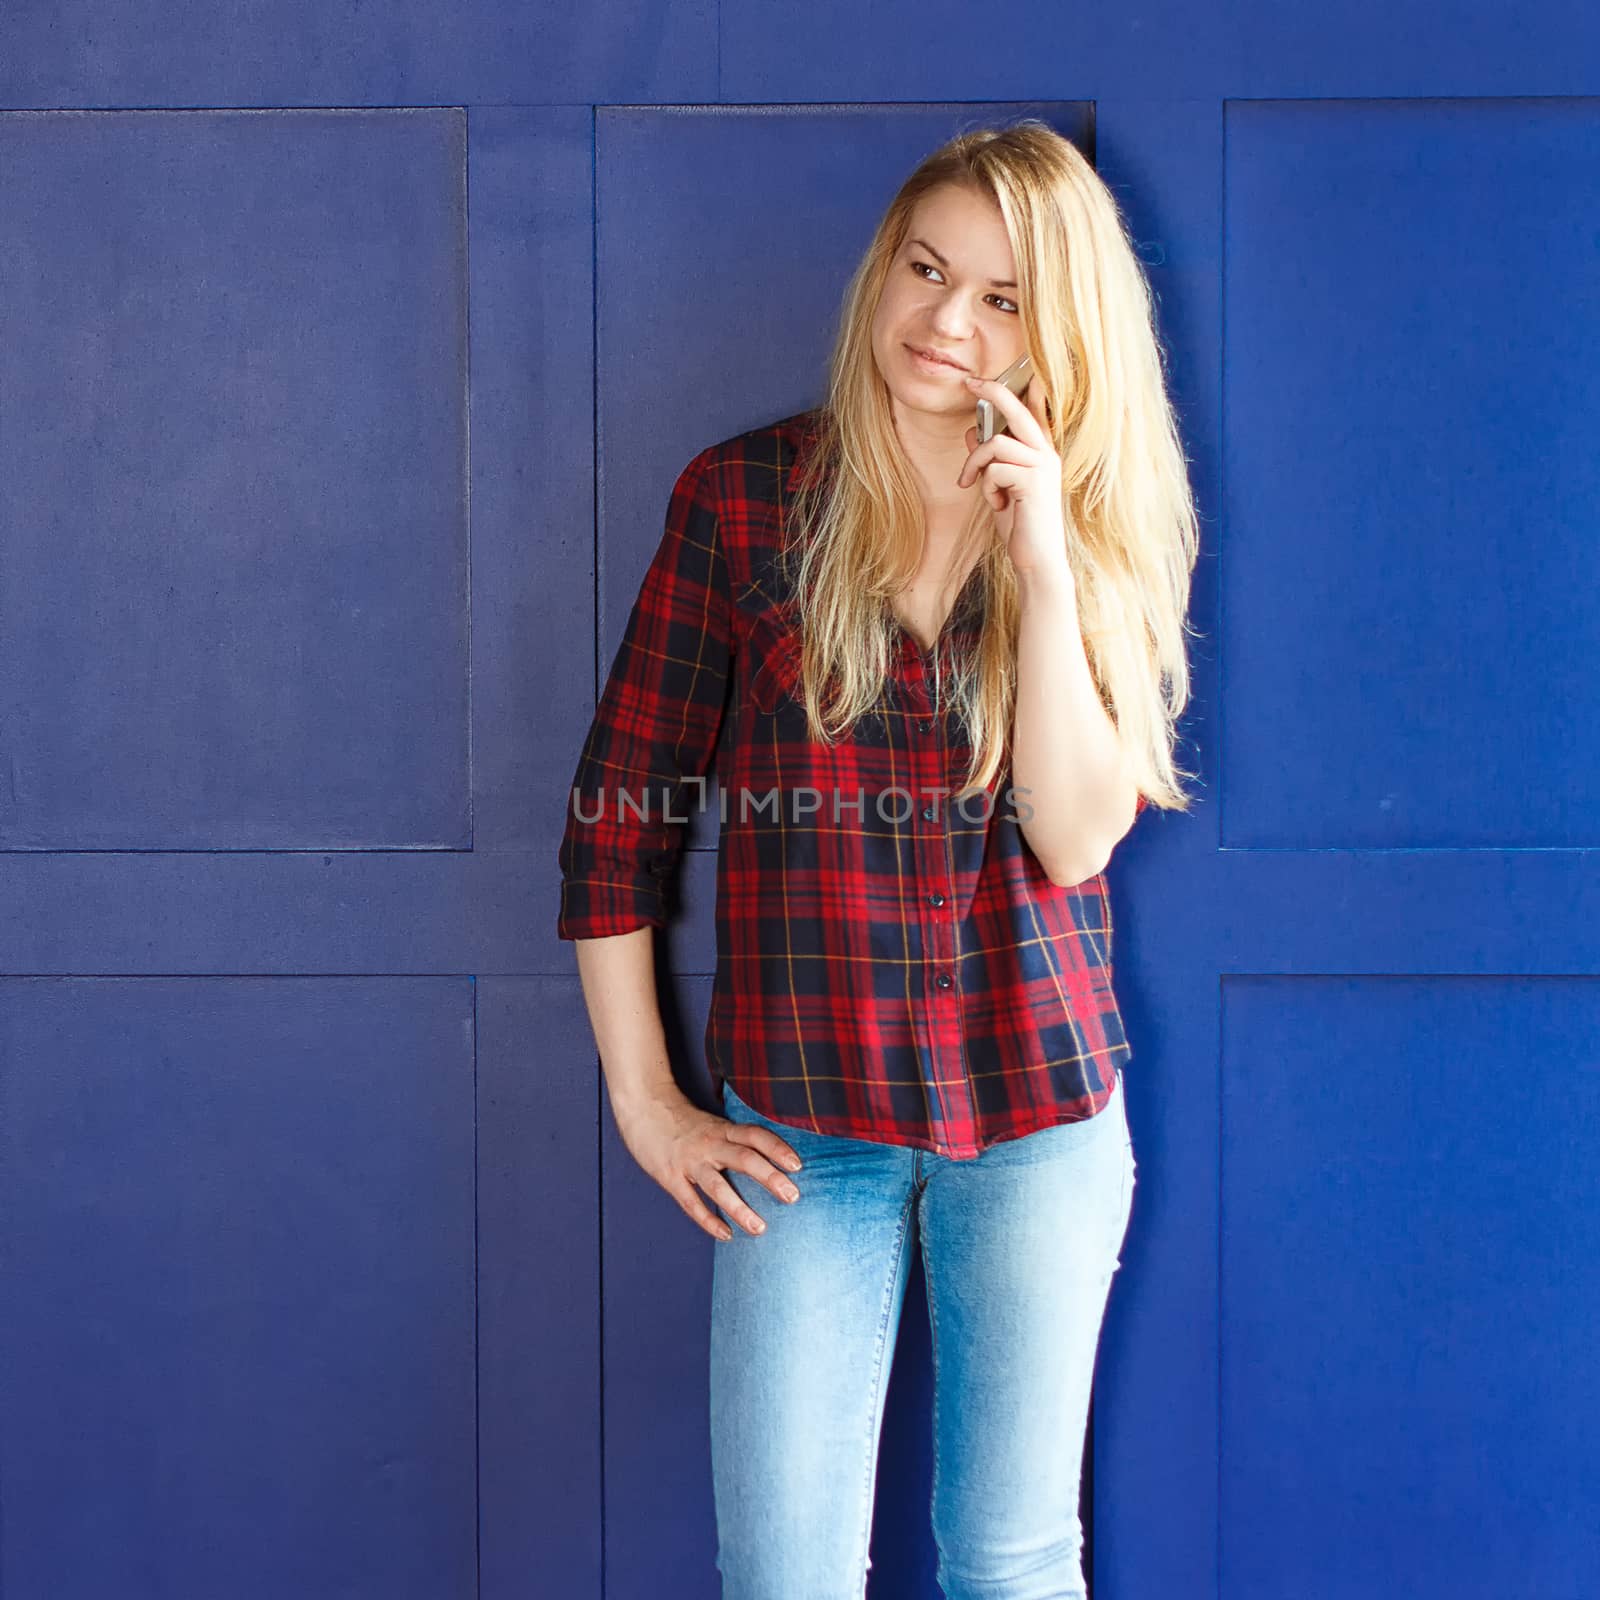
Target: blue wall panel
[
  {"x": 237, "y": 1355},
  {"x": 346, "y": 53},
  {"x": 1154, "y": 1416},
  {"x": 1409, "y": 1237},
  {"x": 1413, "y": 377},
  {"x": 1040, "y": 49},
  {"x": 233, "y": 474}
]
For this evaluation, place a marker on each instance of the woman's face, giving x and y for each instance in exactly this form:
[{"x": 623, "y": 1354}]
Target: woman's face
[{"x": 952, "y": 289}]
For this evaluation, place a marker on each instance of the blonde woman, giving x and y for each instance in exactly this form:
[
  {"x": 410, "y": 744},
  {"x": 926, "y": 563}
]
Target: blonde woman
[{"x": 946, "y": 676}]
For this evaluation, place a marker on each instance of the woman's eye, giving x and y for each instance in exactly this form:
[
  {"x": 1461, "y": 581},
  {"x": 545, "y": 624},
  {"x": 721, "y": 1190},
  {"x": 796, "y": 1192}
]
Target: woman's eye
[{"x": 916, "y": 266}]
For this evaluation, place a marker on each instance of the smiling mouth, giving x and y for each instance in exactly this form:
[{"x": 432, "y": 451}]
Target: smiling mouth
[{"x": 930, "y": 355}]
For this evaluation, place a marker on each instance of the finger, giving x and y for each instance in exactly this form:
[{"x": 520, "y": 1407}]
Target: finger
[
  {"x": 766, "y": 1142},
  {"x": 1003, "y": 447},
  {"x": 1007, "y": 447},
  {"x": 693, "y": 1207},
  {"x": 1005, "y": 475},
  {"x": 726, "y": 1196},
  {"x": 744, "y": 1158},
  {"x": 1016, "y": 413},
  {"x": 1001, "y": 477}
]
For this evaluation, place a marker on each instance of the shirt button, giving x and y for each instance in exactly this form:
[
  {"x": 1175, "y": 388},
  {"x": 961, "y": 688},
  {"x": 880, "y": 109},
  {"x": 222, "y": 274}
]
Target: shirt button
[
  {"x": 929, "y": 814},
  {"x": 944, "y": 980},
  {"x": 924, "y": 727},
  {"x": 935, "y": 899}
]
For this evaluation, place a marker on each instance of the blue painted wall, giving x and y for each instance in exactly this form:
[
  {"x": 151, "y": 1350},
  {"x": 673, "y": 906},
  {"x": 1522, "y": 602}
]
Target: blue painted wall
[{"x": 349, "y": 358}]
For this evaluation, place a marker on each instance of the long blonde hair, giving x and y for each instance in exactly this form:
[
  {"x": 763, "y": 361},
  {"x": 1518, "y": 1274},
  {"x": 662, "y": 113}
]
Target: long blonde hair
[{"x": 855, "y": 525}]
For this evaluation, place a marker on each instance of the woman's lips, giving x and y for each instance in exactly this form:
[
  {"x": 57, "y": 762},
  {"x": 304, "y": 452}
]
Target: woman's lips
[{"x": 929, "y": 364}]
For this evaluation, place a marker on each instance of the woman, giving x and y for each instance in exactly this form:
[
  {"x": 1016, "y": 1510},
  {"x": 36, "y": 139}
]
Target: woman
[{"x": 946, "y": 675}]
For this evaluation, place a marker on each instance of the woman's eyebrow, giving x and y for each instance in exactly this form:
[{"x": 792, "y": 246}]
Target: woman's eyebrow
[{"x": 994, "y": 283}]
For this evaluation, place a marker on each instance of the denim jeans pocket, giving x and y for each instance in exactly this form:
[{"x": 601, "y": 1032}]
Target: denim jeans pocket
[{"x": 735, "y": 1109}]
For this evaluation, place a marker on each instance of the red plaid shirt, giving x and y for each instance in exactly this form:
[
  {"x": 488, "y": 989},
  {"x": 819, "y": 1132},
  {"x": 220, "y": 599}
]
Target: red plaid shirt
[{"x": 890, "y": 966}]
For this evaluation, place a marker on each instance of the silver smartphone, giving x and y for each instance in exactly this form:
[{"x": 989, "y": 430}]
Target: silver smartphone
[{"x": 1015, "y": 378}]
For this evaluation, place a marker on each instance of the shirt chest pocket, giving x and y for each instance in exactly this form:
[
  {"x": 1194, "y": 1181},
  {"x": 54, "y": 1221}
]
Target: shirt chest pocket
[
  {"x": 776, "y": 733},
  {"x": 775, "y": 747},
  {"x": 774, "y": 655}
]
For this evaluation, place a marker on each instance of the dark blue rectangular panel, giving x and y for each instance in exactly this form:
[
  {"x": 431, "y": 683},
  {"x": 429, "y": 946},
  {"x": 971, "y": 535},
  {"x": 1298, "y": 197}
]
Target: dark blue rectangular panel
[
  {"x": 945, "y": 50},
  {"x": 533, "y": 689},
  {"x": 1416, "y": 48},
  {"x": 306, "y": 53},
  {"x": 1410, "y": 1282},
  {"x": 1176, "y": 910},
  {"x": 1413, "y": 339},
  {"x": 237, "y": 1305},
  {"x": 933, "y": 50},
  {"x": 233, "y": 474},
  {"x": 539, "y": 1348}
]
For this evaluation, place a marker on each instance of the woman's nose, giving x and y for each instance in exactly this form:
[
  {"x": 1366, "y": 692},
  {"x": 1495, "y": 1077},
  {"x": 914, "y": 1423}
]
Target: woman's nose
[{"x": 951, "y": 326}]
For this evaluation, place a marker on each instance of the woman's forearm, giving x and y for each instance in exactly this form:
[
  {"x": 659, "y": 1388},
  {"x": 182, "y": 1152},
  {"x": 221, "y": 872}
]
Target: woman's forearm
[
  {"x": 619, "y": 989},
  {"x": 1067, "y": 759}
]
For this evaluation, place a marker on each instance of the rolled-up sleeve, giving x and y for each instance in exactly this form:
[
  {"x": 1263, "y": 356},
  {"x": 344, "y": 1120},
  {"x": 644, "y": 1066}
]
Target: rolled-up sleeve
[{"x": 655, "y": 728}]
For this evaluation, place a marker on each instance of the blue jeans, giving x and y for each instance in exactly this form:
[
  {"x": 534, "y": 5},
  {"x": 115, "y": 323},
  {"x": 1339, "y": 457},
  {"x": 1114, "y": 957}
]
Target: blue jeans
[{"x": 1019, "y": 1246}]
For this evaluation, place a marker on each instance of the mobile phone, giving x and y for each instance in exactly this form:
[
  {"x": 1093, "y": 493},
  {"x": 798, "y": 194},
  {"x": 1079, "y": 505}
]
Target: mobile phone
[{"x": 1015, "y": 378}]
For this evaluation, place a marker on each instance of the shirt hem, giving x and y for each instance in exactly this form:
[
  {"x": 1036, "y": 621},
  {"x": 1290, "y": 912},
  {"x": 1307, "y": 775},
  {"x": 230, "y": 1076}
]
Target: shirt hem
[{"x": 832, "y": 1128}]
